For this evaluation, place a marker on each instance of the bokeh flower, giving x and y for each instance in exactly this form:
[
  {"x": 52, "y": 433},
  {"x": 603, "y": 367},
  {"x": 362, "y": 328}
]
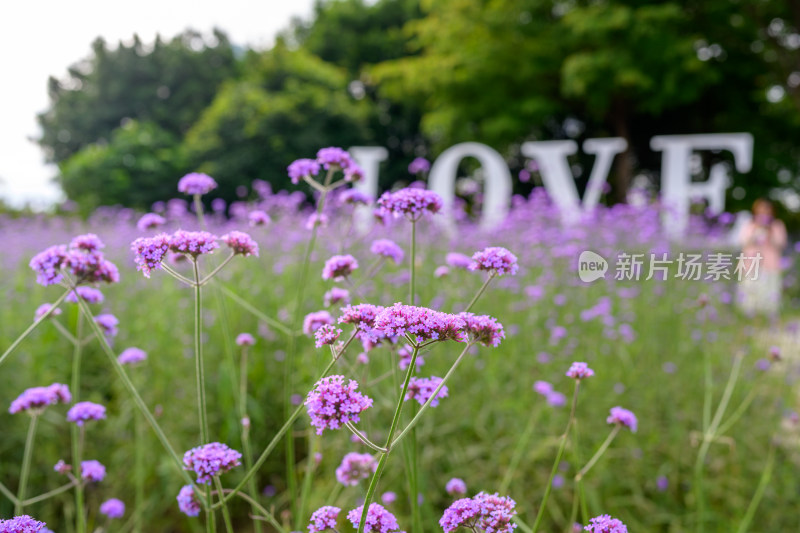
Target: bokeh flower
[
  {"x": 419, "y": 165},
  {"x": 378, "y": 519},
  {"x": 412, "y": 203},
  {"x": 196, "y": 183},
  {"x": 355, "y": 467},
  {"x": 92, "y": 471},
  {"x": 336, "y": 296},
  {"x": 37, "y": 398},
  {"x": 245, "y": 339},
  {"x": 82, "y": 412},
  {"x": 339, "y": 267},
  {"x": 132, "y": 355},
  {"x": 495, "y": 259},
  {"x": 456, "y": 487},
  {"x": 88, "y": 294},
  {"x": 623, "y": 417},
  {"x": 579, "y": 370},
  {"x": 113, "y": 508},
  {"x": 388, "y": 249},
  {"x": 188, "y": 502},
  {"x": 240, "y": 243},
  {"x": 421, "y": 389},
  {"x": 150, "y": 221},
  {"x": 313, "y": 321}
]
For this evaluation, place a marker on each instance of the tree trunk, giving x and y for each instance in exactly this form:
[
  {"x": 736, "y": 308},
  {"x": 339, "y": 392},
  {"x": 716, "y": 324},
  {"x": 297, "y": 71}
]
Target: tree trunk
[{"x": 623, "y": 174}]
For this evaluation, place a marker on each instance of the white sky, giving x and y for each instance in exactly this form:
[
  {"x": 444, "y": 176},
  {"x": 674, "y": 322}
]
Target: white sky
[{"x": 42, "y": 38}]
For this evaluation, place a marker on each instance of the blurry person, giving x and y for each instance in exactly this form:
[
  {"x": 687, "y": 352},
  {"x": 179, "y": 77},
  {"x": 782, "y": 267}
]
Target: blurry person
[{"x": 763, "y": 235}]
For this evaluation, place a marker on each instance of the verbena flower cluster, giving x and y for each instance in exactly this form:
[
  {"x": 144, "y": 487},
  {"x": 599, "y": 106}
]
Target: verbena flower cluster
[
  {"x": 92, "y": 471},
  {"x": 485, "y": 512},
  {"x": 326, "y": 334},
  {"x": 323, "y": 519},
  {"x": 82, "y": 412},
  {"x": 88, "y": 294},
  {"x": 82, "y": 260},
  {"x": 605, "y": 524},
  {"x": 388, "y": 249},
  {"x": 245, "y": 339},
  {"x": 495, "y": 259},
  {"x": 336, "y": 296},
  {"x": 113, "y": 508},
  {"x": 21, "y": 524},
  {"x": 421, "y": 389},
  {"x": 411, "y": 203},
  {"x": 240, "y": 243},
  {"x": 150, "y": 221},
  {"x": 424, "y": 323},
  {"x": 37, "y": 398},
  {"x": 313, "y": 321},
  {"x": 331, "y": 158},
  {"x": 484, "y": 329},
  {"x": 419, "y": 165},
  {"x": 211, "y": 460},
  {"x": 43, "y": 309},
  {"x": 188, "y": 502},
  {"x": 355, "y": 467},
  {"x": 378, "y": 519},
  {"x": 108, "y": 323},
  {"x": 339, "y": 267},
  {"x": 331, "y": 403},
  {"x": 579, "y": 370},
  {"x": 457, "y": 260},
  {"x": 456, "y": 486},
  {"x": 196, "y": 183},
  {"x": 406, "y": 352},
  {"x": 623, "y": 417},
  {"x": 131, "y": 356}
]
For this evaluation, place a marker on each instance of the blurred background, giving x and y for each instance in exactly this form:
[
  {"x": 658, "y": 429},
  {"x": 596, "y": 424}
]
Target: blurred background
[{"x": 139, "y": 96}]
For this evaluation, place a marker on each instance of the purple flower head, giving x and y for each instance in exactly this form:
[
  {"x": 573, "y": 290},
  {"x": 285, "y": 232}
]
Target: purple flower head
[
  {"x": 21, "y": 524},
  {"x": 362, "y": 316},
  {"x": 82, "y": 412},
  {"x": 542, "y": 387},
  {"x": 336, "y": 296},
  {"x": 150, "y": 221},
  {"x": 302, "y": 169},
  {"x": 313, "y": 321},
  {"x": 355, "y": 467},
  {"x": 113, "y": 508},
  {"x": 339, "y": 267},
  {"x": 196, "y": 183},
  {"x": 353, "y": 173},
  {"x": 424, "y": 323},
  {"x": 188, "y": 502},
  {"x": 326, "y": 334},
  {"x": 323, "y": 519},
  {"x": 775, "y": 353},
  {"x": 406, "y": 352},
  {"x": 495, "y": 259},
  {"x": 556, "y": 399},
  {"x": 87, "y": 243},
  {"x": 93, "y": 471},
  {"x": 355, "y": 197},
  {"x": 240, "y": 243},
  {"x": 412, "y": 203},
  {"x": 245, "y": 339},
  {"x": 193, "y": 243},
  {"x": 37, "y": 398},
  {"x": 210, "y": 460},
  {"x": 108, "y": 323},
  {"x": 441, "y": 271},
  {"x": 317, "y": 219},
  {"x": 387, "y": 248},
  {"x": 457, "y": 260},
  {"x": 334, "y": 157},
  {"x": 484, "y": 329},
  {"x": 388, "y": 497},
  {"x": 579, "y": 370},
  {"x": 258, "y": 218},
  {"x": 419, "y": 165},
  {"x": 331, "y": 403},
  {"x": 43, "y": 309},
  {"x": 421, "y": 389},
  {"x": 379, "y": 520},
  {"x": 456, "y": 486},
  {"x": 150, "y": 252},
  {"x": 488, "y": 512},
  {"x": 623, "y": 417},
  {"x": 47, "y": 265},
  {"x": 132, "y": 355},
  {"x": 662, "y": 483},
  {"x": 61, "y": 467},
  {"x": 605, "y": 524},
  {"x": 88, "y": 294}
]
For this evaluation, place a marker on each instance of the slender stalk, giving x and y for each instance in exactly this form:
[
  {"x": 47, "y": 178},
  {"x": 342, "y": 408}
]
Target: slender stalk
[
  {"x": 411, "y": 448},
  {"x": 599, "y": 453},
  {"x": 126, "y": 381},
  {"x": 216, "y": 270},
  {"x": 66, "y": 334},
  {"x": 308, "y": 477},
  {"x": 26, "y": 465},
  {"x": 561, "y": 447},
  {"x": 708, "y": 385},
  {"x": 29, "y": 330},
  {"x": 480, "y": 291},
  {"x": 525, "y": 528},
  {"x": 200, "y": 380},
  {"x": 268, "y": 517},
  {"x": 363, "y": 438},
  {"x": 8, "y": 494},
  {"x": 766, "y": 475},
  {"x": 248, "y": 307},
  {"x": 198, "y": 208},
  {"x": 248, "y": 452},
  {"x": 416, "y": 513},
  {"x": 519, "y": 451},
  {"x": 138, "y": 473},
  {"x": 50, "y": 494},
  {"x": 175, "y": 274},
  {"x": 226, "y": 515},
  {"x": 413, "y": 284},
  {"x": 75, "y": 431}
]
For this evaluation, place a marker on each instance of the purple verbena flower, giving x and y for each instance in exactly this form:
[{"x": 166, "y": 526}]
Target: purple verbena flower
[
  {"x": 92, "y": 471},
  {"x": 240, "y": 243},
  {"x": 378, "y": 519},
  {"x": 258, "y": 218},
  {"x": 362, "y": 316},
  {"x": 495, "y": 259},
  {"x": 313, "y": 321},
  {"x": 113, "y": 508},
  {"x": 61, "y": 467},
  {"x": 188, "y": 502},
  {"x": 326, "y": 334},
  {"x": 387, "y": 248},
  {"x": 150, "y": 252},
  {"x": 457, "y": 260},
  {"x": 43, "y": 309},
  {"x": 421, "y": 389},
  {"x": 412, "y": 203},
  {"x": 556, "y": 399},
  {"x": 355, "y": 197},
  {"x": 339, "y": 267},
  {"x": 150, "y": 221},
  {"x": 301, "y": 169},
  {"x": 542, "y": 387},
  {"x": 132, "y": 355},
  {"x": 336, "y": 296},
  {"x": 406, "y": 352},
  {"x": 193, "y": 243},
  {"x": 484, "y": 329},
  {"x": 316, "y": 220},
  {"x": 37, "y": 398},
  {"x": 419, "y": 165},
  {"x": 245, "y": 339},
  {"x": 196, "y": 183},
  {"x": 578, "y": 370},
  {"x": 87, "y": 243},
  {"x": 47, "y": 265},
  {"x": 334, "y": 157},
  {"x": 21, "y": 524},
  {"x": 388, "y": 497},
  {"x": 331, "y": 403},
  {"x": 456, "y": 486},
  {"x": 605, "y": 524},
  {"x": 323, "y": 519},
  {"x": 88, "y": 294},
  {"x": 355, "y": 467},
  {"x": 487, "y": 512},
  {"x": 211, "y": 460},
  {"x": 424, "y": 323},
  {"x": 108, "y": 323},
  {"x": 82, "y": 412},
  {"x": 623, "y": 417}
]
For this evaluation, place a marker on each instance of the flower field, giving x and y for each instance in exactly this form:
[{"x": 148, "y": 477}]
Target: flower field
[{"x": 263, "y": 367}]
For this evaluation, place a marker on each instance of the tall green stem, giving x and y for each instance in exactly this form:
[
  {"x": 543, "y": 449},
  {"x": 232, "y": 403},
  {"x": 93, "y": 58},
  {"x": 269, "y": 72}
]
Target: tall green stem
[
  {"x": 480, "y": 291},
  {"x": 139, "y": 473},
  {"x": 519, "y": 451},
  {"x": 33, "y": 326},
  {"x": 226, "y": 515},
  {"x": 200, "y": 380},
  {"x": 411, "y": 447},
  {"x": 26, "y": 465},
  {"x": 74, "y": 429},
  {"x": 413, "y": 284},
  {"x": 198, "y": 208},
  {"x": 248, "y": 452},
  {"x": 598, "y": 454}
]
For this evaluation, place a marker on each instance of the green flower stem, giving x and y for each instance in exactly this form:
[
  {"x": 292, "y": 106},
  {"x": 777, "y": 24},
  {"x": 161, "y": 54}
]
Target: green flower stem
[
  {"x": 175, "y": 274},
  {"x": 50, "y": 494},
  {"x": 214, "y": 272},
  {"x": 226, "y": 516},
  {"x": 766, "y": 475},
  {"x": 139, "y": 472},
  {"x": 599, "y": 453},
  {"x": 200, "y": 379},
  {"x": 268, "y": 517},
  {"x": 519, "y": 451},
  {"x": 561, "y": 447},
  {"x": 198, "y": 208},
  {"x": 416, "y": 514},
  {"x": 265, "y": 454},
  {"x": 248, "y": 452},
  {"x": 410, "y": 454},
  {"x": 250, "y": 308},
  {"x": 66, "y": 334},
  {"x": 370, "y": 272},
  {"x": 26, "y": 465},
  {"x": 491, "y": 276},
  {"x": 363, "y": 438},
  {"x": 75, "y": 431},
  {"x": 8, "y": 494},
  {"x": 373, "y": 483},
  {"x": 708, "y": 385},
  {"x": 308, "y": 476},
  {"x": 126, "y": 381},
  {"x": 525, "y": 528},
  {"x": 33, "y": 326},
  {"x": 413, "y": 284}
]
